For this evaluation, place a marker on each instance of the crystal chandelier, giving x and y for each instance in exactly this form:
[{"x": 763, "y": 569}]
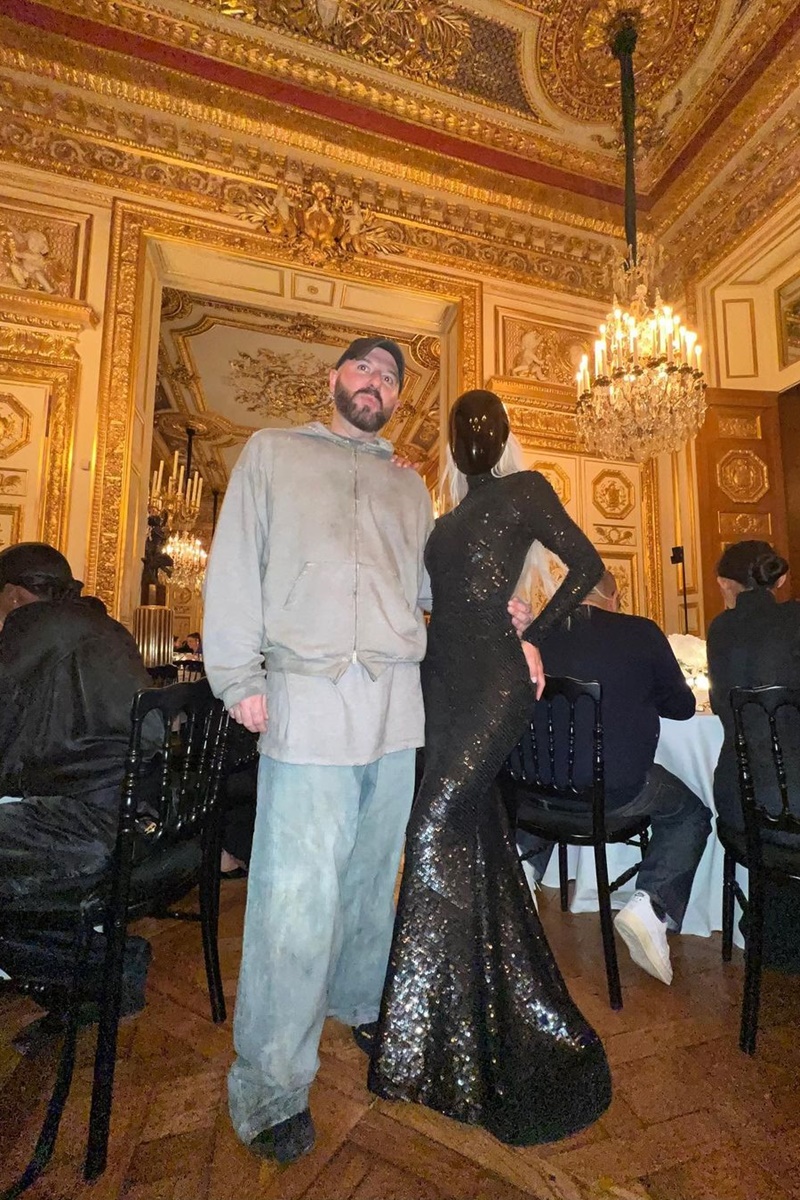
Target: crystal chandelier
[
  {"x": 188, "y": 560},
  {"x": 647, "y": 392},
  {"x": 178, "y": 501}
]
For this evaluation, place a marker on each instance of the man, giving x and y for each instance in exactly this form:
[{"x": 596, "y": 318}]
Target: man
[
  {"x": 641, "y": 680},
  {"x": 313, "y": 636},
  {"x": 68, "y": 675}
]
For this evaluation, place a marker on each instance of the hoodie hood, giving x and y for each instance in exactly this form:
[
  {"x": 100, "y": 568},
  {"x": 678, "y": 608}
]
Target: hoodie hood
[{"x": 378, "y": 445}]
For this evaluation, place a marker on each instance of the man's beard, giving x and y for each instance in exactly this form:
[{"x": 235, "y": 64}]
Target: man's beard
[{"x": 368, "y": 420}]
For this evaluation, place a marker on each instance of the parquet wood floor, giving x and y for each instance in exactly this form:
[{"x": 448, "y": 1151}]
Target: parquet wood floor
[{"x": 692, "y": 1118}]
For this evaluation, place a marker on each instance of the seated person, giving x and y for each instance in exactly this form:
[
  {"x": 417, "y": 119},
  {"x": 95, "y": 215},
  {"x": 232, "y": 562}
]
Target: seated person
[
  {"x": 756, "y": 641},
  {"x": 68, "y": 675},
  {"x": 753, "y": 643},
  {"x": 641, "y": 680}
]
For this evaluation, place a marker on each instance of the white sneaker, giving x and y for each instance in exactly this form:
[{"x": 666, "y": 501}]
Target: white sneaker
[{"x": 645, "y": 935}]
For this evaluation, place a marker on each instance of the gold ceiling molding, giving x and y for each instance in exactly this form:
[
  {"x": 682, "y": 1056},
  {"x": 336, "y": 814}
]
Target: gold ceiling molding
[
  {"x": 37, "y": 357},
  {"x": 42, "y": 311},
  {"x": 504, "y": 246},
  {"x": 202, "y": 132},
  {"x": 134, "y": 228},
  {"x": 768, "y": 177},
  {"x": 778, "y": 84},
  {"x": 329, "y": 77},
  {"x": 426, "y": 41},
  {"x": 579, "y": 74},
  {"x": 766, "y": 94}
]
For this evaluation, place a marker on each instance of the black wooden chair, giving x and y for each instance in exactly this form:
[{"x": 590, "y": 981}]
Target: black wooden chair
[
  {"x": 168, "y": 842},
  {"x": 773, "y": 712},
  {"x": 164, "y": 675},
  {"x": 541, "y": 796}
]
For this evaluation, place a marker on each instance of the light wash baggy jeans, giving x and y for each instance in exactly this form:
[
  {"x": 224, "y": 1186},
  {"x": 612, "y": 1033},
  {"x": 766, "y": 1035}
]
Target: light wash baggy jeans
[{"x": 318, "y": 924}]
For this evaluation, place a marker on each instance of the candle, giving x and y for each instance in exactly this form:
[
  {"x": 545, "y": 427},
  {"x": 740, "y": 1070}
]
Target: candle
[
  {"x": 180, "y": 479},
  {"x": 199, "y": 490},
  {"x": 598, "y": 359},
  {"x": 698, "y": 351},
  {"x": 160, "y": 475},
  {"x": 153, "y": 486},
  {"x": 578, "y": 381},
  {"x": 174, "y": 472}
]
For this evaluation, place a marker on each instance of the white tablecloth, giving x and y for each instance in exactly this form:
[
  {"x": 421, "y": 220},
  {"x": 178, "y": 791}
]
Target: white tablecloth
[{"x": 689, "y": 749}]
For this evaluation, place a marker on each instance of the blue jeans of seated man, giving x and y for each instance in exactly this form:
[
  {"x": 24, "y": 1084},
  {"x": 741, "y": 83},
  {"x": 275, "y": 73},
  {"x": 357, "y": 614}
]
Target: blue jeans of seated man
[
  {"x": 318, "y": 925},
  {"x": 680, "y": 825}
]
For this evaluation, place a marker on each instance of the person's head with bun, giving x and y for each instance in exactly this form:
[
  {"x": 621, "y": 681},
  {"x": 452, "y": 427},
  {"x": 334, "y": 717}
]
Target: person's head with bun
[{"x": 747, "y": 566}]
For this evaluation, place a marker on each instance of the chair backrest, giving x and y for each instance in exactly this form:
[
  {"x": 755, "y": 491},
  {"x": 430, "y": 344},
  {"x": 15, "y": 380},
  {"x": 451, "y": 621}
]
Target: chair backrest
[
  {"x": 164, "y": 675},
  {"x": 766, "y": 722},
  {"x": 174, "y": 761},
  {"x": 545, "y": 758},
  {"x": 189, "y": 670}
]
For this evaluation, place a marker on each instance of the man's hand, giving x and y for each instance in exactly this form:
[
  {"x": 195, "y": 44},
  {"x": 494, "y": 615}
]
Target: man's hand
[
  {"x": 252, "y": 713},
  {"x": 398, "y": 461},
  {"x": 534, "y": 660},
  {"x": 521, "y": 614}
]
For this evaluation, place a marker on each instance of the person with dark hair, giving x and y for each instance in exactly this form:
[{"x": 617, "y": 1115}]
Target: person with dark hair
[
  {"x": 754, "y": 642},
  {"x": 476, "y": 1020},
  {"x": 68, "y": 675}
]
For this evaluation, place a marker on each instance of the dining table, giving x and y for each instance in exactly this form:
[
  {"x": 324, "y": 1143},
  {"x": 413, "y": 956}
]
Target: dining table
[{"x": 689, "y": 749}]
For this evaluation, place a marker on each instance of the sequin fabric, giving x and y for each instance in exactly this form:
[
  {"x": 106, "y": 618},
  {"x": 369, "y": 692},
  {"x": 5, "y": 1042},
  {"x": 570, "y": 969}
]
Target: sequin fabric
[{"x": 476, "y": 1020}]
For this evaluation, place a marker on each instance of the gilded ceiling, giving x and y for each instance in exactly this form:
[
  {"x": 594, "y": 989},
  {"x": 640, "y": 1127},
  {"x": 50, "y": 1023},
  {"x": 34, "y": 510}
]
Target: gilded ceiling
[{"x": 481, "y": 128}]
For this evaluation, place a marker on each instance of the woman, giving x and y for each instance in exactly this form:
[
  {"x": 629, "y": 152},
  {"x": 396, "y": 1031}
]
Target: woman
[
  {"x": 756, "y": 641},
  {"x": 476, "y": 1021}
]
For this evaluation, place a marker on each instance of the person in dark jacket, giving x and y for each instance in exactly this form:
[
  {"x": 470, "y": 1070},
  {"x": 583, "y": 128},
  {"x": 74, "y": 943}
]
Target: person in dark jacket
[
  {"x": 641, "y": 680},
  {"x": 68, "y": 675},
  {"x": 755, "y": 642}
]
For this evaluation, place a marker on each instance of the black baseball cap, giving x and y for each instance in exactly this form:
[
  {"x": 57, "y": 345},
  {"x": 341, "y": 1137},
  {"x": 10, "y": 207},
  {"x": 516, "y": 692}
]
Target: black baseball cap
[
  {"x": 31, "y": 564},
  {"x": 361, "y": 347}
]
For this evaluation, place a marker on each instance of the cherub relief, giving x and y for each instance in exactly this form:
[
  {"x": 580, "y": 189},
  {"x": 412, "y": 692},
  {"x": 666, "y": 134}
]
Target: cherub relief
[
  {"x": 529, "y": 359},
  {"x": 26, "y": 258}
]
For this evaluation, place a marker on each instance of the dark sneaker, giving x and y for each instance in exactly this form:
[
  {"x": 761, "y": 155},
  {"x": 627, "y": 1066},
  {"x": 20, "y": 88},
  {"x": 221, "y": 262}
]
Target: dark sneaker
[
  {"x": 287, "y": 1141},
  {"x": 364, "y": 1036}
]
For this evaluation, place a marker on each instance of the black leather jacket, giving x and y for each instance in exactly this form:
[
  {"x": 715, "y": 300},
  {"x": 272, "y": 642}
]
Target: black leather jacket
[{"x": 68, "y": 674}]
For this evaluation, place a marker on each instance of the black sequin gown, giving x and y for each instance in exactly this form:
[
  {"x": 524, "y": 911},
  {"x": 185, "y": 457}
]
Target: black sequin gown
[{"x": 476, "y": 1020}]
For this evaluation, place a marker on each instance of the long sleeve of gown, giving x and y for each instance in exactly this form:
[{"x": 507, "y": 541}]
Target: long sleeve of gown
[{"x": 551, "y": 525}]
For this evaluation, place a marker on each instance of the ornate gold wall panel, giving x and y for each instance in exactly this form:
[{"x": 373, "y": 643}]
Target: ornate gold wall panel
[
  {"x": 740, "y": 479},
  {"x": 135, "y": 228},
  {"x": 48, "y": 359}
]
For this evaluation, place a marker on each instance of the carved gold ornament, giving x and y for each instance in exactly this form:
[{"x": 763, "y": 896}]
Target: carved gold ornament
[
  {"x": 423, "y": 38},
  {"x": 615, "y": 535},
  {"x": 320, "y": 226},
  {"x": 613, "y": 494},
  {"x": 291, "y": 386},
  {"x": 735, "y": 526},
  {"x": 15, "y": 425},
  {"x": 743, "y": 476},
  {"x": 740, "y": 427},
  {"x": 556, "y": 476}
]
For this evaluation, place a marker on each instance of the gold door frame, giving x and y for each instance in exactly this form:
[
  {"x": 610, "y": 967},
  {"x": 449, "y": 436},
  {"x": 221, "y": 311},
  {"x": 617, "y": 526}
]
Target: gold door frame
[{"x": 134, "y": 229}]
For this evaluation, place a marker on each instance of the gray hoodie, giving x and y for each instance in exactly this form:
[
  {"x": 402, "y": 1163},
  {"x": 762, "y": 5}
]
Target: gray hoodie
[{"x": 316, "y": 562}]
